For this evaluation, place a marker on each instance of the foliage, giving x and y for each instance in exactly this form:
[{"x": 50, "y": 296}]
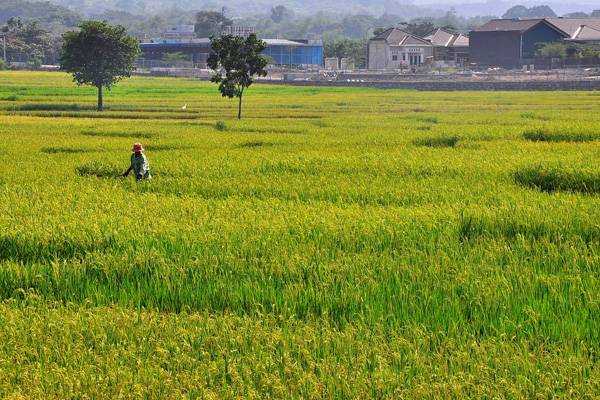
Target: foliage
[
  {"x": 241, "y": 59},
  {"x": 532, "y": 12},
  {"x": 210, "y": 23},
  {"x": 567, "y": 50},
  {"x": 44, "y": 11},
  {"x": 278, "y": 13},
  {"x": 562, "y": 133},
  {"x": 99, "y": 55},
  {"x": 347, "y": 48},
  {"x": 551, "y": 50},
  {"x": 29, "y": 38},
  {"x": 551, "y": 178},
  {"x": 175, "y": 57}
]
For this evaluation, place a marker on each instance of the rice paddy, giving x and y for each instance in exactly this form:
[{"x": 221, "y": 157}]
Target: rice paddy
[{"x": 335, "y": 243}]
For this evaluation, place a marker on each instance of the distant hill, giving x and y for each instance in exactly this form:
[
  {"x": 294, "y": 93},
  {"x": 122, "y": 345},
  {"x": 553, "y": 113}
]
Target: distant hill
[
  {"x": 242, "y": 8},
  {"x": 45, "y": 12}
]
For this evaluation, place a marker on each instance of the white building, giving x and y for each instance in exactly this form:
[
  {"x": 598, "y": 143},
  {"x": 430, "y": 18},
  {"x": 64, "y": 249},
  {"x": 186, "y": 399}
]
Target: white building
[{"x": 395, "y": 49}]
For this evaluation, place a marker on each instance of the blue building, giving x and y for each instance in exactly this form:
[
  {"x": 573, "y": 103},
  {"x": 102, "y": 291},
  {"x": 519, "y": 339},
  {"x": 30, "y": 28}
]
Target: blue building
[
  {"x": 295, "y": 52},
  {"x": 281, "y": 51}
]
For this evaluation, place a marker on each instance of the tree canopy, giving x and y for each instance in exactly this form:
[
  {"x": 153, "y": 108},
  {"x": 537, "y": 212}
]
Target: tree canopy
[
  {"x": 211, "y": 23},
  {"x": 99, "y": 55},
  {"x": 532, "y": 12},
  {"x": 241, "y": 58}
]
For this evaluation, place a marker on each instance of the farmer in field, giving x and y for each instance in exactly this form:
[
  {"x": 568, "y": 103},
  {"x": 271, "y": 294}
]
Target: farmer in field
[{"x": 139, "y": 163}]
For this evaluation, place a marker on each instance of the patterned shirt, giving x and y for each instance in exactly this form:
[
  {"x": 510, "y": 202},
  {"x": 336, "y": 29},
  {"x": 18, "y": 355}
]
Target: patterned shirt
[{"x": 140, "y": 165}]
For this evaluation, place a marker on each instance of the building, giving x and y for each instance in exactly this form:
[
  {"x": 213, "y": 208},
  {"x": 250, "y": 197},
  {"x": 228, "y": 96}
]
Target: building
[
  {"x": 294, "y": 52},
  {"x": 194, "y": 50},
  {"x": 280, "y": 51},
  {"x": 396, "y": 48},
  {"x": 449, "y": 49},
  {"x": 511, "y": 42}
]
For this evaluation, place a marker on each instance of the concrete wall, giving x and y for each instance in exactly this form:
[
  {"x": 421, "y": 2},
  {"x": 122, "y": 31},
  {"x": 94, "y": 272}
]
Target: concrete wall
[{"x": 456, "y": 86}]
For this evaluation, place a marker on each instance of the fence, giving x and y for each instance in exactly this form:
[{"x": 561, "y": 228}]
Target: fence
[{"x": 580, "y": 73}]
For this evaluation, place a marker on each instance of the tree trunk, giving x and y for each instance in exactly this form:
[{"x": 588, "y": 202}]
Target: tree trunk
[
  {"x": 240, "y": 108},
  {"x": 100, "y": 108}
]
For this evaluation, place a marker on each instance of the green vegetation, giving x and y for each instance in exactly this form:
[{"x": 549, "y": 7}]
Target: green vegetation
[
  {"x": 311, "y": 250},
  {"x": 99, "y": 55}
]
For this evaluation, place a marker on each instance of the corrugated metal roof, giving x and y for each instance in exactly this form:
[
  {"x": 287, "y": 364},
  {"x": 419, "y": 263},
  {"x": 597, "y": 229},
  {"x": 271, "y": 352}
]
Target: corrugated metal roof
[
  {"x": 509, "y": 25},
  {"x": 395, "y": 37},
  {"x": 571, "y": 25},
  {"x": 460, "y": 41},
  {"x": 439, "y": 37},
  {"x": 285, "y": 42},
  {"x": 587, "y": 33}
]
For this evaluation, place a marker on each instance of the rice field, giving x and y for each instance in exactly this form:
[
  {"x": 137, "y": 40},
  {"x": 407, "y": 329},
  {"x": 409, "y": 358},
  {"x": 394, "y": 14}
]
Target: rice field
[{"x": 336, "y": 243}]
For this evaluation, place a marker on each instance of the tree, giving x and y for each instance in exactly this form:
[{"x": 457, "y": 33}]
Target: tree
[
  {"x": 533, "y": 12},
  {"x": 541, "y": 12},
  {"x": 99, "y": 55},
  {"x": 418, "y": 29},
  {"x": 241, "y": 59},
  {"x": 211, "y": 23},
  {"x": 278, "y": 13},
  {"x": 577, "y": 14},
  {"x": 516, "y": 12},
  {"x": 595, "y": 13},
  {"x": 346, "y": 48}
]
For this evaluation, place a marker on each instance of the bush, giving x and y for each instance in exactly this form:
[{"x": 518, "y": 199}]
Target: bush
[
  {"x": 3, "y": 65},
  {"x": 557, "y": 178}
]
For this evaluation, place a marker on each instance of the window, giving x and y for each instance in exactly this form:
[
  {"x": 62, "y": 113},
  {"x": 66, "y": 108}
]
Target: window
[{"x": 394, "y": 58}]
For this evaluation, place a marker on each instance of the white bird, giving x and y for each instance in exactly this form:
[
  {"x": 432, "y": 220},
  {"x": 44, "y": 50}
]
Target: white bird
[{"x": 184, "y": 107}]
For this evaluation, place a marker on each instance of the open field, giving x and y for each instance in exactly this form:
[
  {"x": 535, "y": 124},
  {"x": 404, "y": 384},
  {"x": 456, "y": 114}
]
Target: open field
[{"x": 335, "y": 243}]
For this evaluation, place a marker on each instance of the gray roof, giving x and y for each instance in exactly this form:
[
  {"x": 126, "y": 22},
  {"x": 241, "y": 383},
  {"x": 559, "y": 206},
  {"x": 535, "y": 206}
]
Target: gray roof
[
  {"x": 572, "y": 25},
  {"x": 509, "y": 25},
  {"x": 397, "y": 37},
  {"x": 574, "y": 28},
  {"x": 441, "y": 38},
  {"x": 586, "y": 33},
  {"x": 461, "y": 41}
]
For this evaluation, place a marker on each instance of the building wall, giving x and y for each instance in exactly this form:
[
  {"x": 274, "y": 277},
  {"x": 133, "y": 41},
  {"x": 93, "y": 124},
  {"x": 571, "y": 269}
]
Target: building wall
[
  {"x": 295, "y": 55},
  {"x": 541, "y": 33},
  {"x": 384, "y": 56},
  {"x": 495, "y": 48},
  {"x": 379, "y": 52}
]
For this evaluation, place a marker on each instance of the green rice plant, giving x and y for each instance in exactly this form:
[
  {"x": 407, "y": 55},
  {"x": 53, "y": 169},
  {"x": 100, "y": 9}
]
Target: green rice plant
[
  {"x": 220, "y": 126},
  {"x": 437, "y": 141},
  {"x": 551, "y": 178},
  {"x": 255, "y": 143},
  {"x": 562, "y": 134},
  {"x": 67, "y": 150},
  {"x": 342, "y": 262},
  {"x": 99, "y": 169},
  {"x": 119, "y": 134},
  {"x": 50, "y": 107}
]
